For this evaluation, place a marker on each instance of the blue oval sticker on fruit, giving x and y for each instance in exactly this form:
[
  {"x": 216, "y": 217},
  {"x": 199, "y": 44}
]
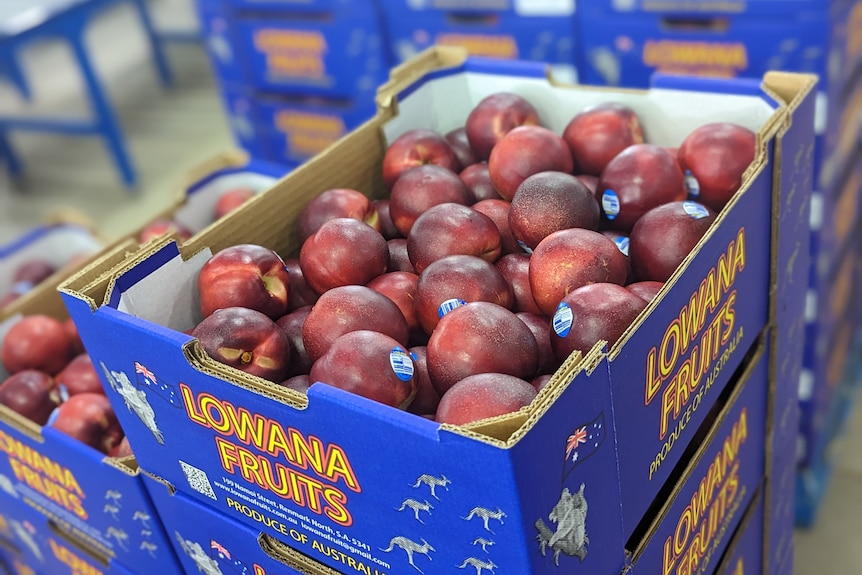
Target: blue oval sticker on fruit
[
  {"x": 691, "y": 184},
  {"x": 610, "y": 204},
  {"x": 623, "y": 244},
  {"x": 401, "y": 363},
  {"x": 562, "y": 319},
  {"x": 695, "y": 210},
  {"x": 449, "y": 305}
]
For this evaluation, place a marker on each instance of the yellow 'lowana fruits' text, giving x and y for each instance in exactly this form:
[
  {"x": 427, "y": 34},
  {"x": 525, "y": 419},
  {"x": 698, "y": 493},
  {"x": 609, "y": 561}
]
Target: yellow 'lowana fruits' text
[
  {"x": 77, "y": 566},
  {"x": 678, "y": 365},
  {"x": 44, "y": 475},
  {"x": 309, "y": 134},
  {"x": 701, "y": 519},
  {"x": 478, "y": 45},
  {"x": 295, "y": 467},
  {"x": 707, "y": 58},
  {"x": 298, "y": 53}
]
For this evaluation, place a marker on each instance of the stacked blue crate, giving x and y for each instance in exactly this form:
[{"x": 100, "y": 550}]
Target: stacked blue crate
[
  {"x": 295, "y": 75},
  {"x": 518, "y": 29},
  {"x": 625, "y": 41}
]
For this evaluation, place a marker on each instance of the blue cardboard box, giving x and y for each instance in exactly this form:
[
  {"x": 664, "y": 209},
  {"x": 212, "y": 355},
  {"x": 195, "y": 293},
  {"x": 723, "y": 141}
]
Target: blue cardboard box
[
  {"x": 550, "y": 40},
  {"x": 245, "y": 123},
  {"x": 744, "y": 555},
  {"x": 322, "y": 49},
  {"x": 289, "y": 130},
  {"x": 49, "y": 548},
  {"x": 58, "y": 244},
  {"x": 100, "y": 499},
  {"x": 655, "y": 414},
  {"x": 719, "y": 484},
  {"x": 221, "y": 42},
  {"x": 725, "y": 472},
  {"x": 626, "y": 48},
  {"x": 297, "y": 129},
  {"x": 340, "y": 54}
]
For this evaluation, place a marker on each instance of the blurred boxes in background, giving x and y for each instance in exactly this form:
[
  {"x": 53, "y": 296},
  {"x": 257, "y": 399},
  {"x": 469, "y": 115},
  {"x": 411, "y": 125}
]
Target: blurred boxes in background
[
  {"x": 533, "y": 31},
  {"x": 295, "y": 76}
]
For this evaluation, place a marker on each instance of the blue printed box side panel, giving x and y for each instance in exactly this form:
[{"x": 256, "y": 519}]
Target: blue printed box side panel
[
  {"x": 626, "y": 50},
  {"x": 43, "y": 549},
  {"x": 380, "y": 473},
  {"x": 550, "y": 40},
  {"x": 192, "y": 412},
  {"x": 340, "y": 56},
  {"x": 745, "y": 552},
  {"x": 298, "y": 129},
  {"x": 716, "y": 491}
]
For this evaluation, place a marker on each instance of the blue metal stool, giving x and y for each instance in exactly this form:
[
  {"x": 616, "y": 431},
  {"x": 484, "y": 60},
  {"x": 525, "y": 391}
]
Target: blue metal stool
[{"x": 23, "y": 21}]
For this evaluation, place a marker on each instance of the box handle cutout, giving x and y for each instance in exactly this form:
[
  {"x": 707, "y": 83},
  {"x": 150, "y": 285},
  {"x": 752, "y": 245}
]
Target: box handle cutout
[
  {"x": 690, "y": 24},
  {"x": 289, "y": 556},
  {"x": 462, "y": 19},
  {"x": 98, "y": 554}
]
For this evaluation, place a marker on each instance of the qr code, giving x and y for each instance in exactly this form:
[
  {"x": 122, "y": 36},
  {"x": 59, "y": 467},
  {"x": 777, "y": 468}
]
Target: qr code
[{"x": 198, "y": 480}]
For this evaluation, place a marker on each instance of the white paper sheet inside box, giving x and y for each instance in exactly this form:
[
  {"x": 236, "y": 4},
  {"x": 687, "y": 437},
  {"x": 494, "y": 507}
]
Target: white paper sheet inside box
[{"x": 668, "y": 116}]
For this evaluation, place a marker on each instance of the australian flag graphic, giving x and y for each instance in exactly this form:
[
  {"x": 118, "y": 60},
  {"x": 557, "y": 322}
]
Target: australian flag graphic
[
  {"x": 226, "y": 563},
  {"x": 148, "y": 381},
  {"x": 584, "y": 441}
]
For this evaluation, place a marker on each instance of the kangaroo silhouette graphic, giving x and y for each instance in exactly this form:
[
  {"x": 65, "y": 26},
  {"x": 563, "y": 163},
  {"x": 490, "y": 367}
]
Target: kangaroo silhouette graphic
[
  {"x": 149, "y": 548},
  {"x": 119, "y": 535},
  {"x": 485, "y": 543},
  {"x": 143, "y": 517},
  {"x": 410, "y": 547},
  {"x": 486, "y": 514},
  {"x": 478, "y": 564},
  {"x": 433, "y": 483},
  {"x": 416, "y": 506},
  {"x": 112, "y": 509},
  {"x": 113, "y": 495}
]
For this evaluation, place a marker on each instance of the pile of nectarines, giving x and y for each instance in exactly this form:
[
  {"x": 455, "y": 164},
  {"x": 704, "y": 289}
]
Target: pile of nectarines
[
  {"x": 502, "y": 248},
  {"x": 52, "y": 381}
]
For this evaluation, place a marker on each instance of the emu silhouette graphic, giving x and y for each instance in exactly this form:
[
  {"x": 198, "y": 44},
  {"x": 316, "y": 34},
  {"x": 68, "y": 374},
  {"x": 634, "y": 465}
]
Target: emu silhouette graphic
[
  {"x": 485, "y": 543},
  {"x": 114, "y": 496},
  {"x": 433, "y": 483},
  {"x": 410, "y": 547},
  {"x": 416, "y": 506},
  {"x": 478, "y": 564},
  {"x": 486, "y": 514}
]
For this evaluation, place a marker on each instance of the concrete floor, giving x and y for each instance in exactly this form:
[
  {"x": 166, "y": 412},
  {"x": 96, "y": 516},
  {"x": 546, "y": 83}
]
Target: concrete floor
[{"x": 169, "y": 131}]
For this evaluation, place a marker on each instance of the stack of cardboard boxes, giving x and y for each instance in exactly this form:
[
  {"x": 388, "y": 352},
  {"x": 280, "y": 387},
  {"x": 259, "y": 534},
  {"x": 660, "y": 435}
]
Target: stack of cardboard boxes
[
  {"x": 294, "y": 75},
  {"x": 661, "y": 454}
]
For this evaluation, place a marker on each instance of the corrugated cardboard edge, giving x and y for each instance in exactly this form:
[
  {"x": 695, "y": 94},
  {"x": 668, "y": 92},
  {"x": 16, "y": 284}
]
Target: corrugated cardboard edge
[
  {"x": 791, "y": 89},
  {"x": 737, "y": 537}
]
